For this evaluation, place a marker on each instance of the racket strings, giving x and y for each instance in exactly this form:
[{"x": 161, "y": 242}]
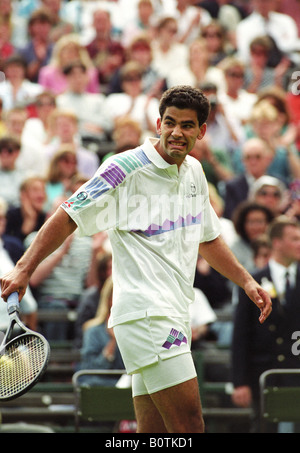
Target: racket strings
[{"x": 21, "y": 363}]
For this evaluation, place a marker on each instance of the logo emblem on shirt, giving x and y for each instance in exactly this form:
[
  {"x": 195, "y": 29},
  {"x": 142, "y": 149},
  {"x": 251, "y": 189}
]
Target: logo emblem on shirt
[
  {"x": 193, "y": 188},
  {"x": 193, "y": 191},
  {"x": 82, "y": 196},
  {"x": 174, "y": 338}
]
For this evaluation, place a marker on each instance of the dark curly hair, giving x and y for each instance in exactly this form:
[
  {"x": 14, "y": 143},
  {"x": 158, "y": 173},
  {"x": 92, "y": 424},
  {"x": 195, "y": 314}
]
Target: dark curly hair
[
  {"x": 240, "y": 216},
  {"x": 185, "y": 97}
]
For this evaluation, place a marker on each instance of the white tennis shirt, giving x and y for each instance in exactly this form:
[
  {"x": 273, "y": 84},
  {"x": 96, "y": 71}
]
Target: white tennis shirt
[{"x": 155, "y": 216}]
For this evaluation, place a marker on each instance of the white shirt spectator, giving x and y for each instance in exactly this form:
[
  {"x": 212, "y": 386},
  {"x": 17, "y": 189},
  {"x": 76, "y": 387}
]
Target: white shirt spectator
[
  {"x": 28, "y": 304},
  {"x": 25, "y": 94},
  {"x": 240, "y": 107},
  {"x": 119, "y": 104},
  {"x": 281, "y": 27},
  {"x": 201, "y": 312}
]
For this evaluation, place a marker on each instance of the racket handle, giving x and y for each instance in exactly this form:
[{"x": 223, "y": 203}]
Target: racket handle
[{"x": 13, "y": 302}]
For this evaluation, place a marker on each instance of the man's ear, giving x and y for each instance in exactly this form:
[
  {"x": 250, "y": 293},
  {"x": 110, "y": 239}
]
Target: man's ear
[
  {"x": 158, "y": 126},
  {"x": 202, "y": 131}
]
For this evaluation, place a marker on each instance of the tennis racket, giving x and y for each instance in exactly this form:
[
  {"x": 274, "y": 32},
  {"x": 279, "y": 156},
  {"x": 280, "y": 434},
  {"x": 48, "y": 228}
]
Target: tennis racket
[{"x": 23, "y": 359}]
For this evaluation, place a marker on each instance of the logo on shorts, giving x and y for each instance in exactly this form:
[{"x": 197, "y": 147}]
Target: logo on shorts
[{"x": 175, "y": 337}]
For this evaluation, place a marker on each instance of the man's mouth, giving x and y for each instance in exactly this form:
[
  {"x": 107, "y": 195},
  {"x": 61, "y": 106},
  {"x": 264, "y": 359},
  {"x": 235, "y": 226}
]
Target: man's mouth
[{"x": 175, "y": 144}]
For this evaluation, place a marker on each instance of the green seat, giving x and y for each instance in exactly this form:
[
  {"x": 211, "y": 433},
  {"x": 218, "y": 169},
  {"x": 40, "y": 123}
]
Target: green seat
[
  {"x": 101, "y": 403},
  {"x": 278, "y": 403}
]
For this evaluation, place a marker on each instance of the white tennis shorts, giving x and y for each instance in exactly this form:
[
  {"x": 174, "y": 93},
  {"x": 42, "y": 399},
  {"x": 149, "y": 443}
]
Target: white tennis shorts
[
  {"x": 163, "y": 374},
  {"x": 151, "y": 341}
]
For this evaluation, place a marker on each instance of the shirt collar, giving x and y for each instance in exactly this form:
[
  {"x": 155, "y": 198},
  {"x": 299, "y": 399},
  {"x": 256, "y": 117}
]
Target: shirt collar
[
  {"x": 278, "y": 270},
  {"x": 153, "y": 155}
]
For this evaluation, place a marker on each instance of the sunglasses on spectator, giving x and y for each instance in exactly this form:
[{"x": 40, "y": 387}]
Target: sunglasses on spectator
[
  {"x": 45, "y": 103},
  {"x": 256, "y": 51},
  {"x": 68, "y": 160},
  {"x": 212, "y": 35},
  {"x": 238, "y": 75},
  {"x": 266, "y": 193},
  {"x": 8, "y": 150},
  {"x": 253, "y": 156},
  {"x": 132, "y": 78}
]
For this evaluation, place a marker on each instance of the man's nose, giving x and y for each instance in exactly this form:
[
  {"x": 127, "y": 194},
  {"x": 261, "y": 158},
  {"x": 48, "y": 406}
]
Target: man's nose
[{"x": 177, "y": 132}]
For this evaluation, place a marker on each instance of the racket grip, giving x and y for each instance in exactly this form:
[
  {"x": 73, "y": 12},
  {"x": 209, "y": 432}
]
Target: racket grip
[{"x": 13, "y": 302}]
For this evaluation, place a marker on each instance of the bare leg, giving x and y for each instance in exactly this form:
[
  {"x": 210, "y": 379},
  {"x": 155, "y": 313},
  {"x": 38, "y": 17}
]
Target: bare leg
[
  {"x": 176, "y": 409},
  {"x": 148, "y": 417}
]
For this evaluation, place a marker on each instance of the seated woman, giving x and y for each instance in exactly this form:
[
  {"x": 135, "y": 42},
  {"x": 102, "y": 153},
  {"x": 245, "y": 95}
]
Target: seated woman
[{"x": 99, "y": 349}]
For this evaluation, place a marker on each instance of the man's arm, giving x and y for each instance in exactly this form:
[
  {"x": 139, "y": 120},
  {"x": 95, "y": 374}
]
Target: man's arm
[
  {"x": 220, "y": 257},
  {"x": 52, "y": 234}
]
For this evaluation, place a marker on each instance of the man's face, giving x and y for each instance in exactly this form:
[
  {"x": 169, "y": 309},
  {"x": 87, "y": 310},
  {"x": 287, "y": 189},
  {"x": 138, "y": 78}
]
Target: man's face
[
  {"x": 178, "y": 129},
  {"x": 289, "y": 244},
  {"x": 78, "y": 80},
  {"x": 256, "y": 159},
  {"x": 264, "y": 7},
  {"x": 35, "y": 195}
]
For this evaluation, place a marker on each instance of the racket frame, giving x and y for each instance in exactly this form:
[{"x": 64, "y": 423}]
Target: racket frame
[{"x": 13, "y": 312}]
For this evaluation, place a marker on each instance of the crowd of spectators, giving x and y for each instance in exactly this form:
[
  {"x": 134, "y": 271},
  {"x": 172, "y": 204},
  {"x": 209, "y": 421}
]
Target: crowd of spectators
[{"x": 81, "y": 80}]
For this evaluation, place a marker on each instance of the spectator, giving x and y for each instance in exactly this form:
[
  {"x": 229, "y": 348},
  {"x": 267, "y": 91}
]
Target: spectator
[
  {"x": 190, "y": 19},
  {"x": 256, "y": 158},
  {"x": 66, "y": 50},
  {"x": 229, "y": 15},
  {"x": 255, "y": 350},
  {"x": 7, "y": 49},
  {"x": 132, "y": 101},
  {"x": 143, "y": 23},
  {"x": 63, "y": 130},
  {"x": 262, "y": 250},
  {"x": 291, "y": 8},
  {"x": 14, "y": 120},
  {"x": 216, "y": 162},
  {"x": 13, "y": 246},
  {"x": 140, "y": 50},
  {"x": 236, "y": 101},
  {"x": 266, "y": 123},
  {"x": 216, "y": 39},
  {"x": 168, "y": 53},
  {"x": 30, "y": 215},
  {"x": 60, "y": 26},
  {"x": 89, "y": 107},
  {"x": 213, "y": 285},
  {"x": 11, "y": 249},
  {"x": 90, "y": 298},
  {"x": 258, "y": 75},
  {"x": 265, "y": 20},
  {"x": 17, "y": 24},
  {"x": 99, "y": 350},
  {"x": 293, "y": 102},
  {"x": 58, "y": 282},
  {"x": 34, "y": 134},
  {"x": 10, "y": 176},
  {"x": 270, "y": 192},
  {"x": 39, "y": 49},
  {"x": 224, "y": 132},
  {"x": 202, "y": 316},
  {"x": 227, "y": 228},
  {"x": 3, "y": 129},
  {"x": 127, "y": 134},
  {"x": 278, "y": 98},
  {"x": 106, "y": 53},
  {"x": 250, "y": 220},
  {"x": 16, "y": 90},
  {"x": 198, "y": 70},
  {"x": 61, "y": 171}
]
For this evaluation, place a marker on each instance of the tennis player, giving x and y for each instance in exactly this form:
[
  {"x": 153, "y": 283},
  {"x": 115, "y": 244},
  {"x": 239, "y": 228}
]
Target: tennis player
[{"x": 154, "y": 203}]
